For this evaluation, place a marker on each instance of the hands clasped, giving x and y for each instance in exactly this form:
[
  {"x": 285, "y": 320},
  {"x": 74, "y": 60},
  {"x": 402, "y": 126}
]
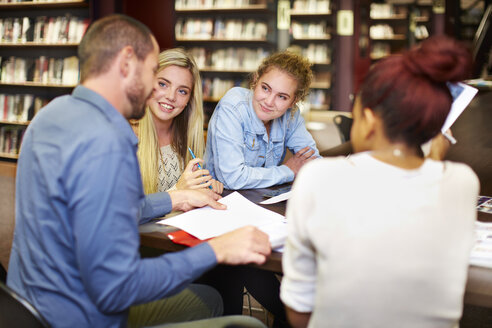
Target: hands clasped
[{"x": 299, "y": 159}]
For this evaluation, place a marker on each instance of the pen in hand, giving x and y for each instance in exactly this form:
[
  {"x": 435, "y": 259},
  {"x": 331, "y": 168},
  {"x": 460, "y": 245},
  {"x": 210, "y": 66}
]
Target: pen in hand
[{"x": 198, "y": 164}]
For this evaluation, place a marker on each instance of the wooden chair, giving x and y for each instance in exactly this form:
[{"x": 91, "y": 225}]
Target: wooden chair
[{"x": 15, "y": 311}]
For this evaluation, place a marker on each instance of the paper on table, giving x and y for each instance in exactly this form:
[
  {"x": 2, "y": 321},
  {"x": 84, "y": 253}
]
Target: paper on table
[
  {"x": 481, "y": 253},
  {"x": 207, "y": 222},
  {"x": 462, "y": 96},
  {"x": 277, "y": 199}
]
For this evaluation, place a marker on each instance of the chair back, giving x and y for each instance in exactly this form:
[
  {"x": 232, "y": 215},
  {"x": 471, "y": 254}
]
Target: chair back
[
  {"x": 343, "y": 124},
  {"x": 15, "y": 311}
]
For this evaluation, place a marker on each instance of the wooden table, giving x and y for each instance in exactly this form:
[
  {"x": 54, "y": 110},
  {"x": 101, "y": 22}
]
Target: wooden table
[
  {"x": 154, "y": 235},
  {"x": 473, "y": 130}
]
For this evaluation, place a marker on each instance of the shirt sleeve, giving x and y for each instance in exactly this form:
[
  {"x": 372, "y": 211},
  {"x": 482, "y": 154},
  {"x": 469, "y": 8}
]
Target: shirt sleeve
[
  {"x": 154, "y": 206},
  {"x": 228, "y": 155},
  {"x": 298, "y": 136},
  {"x": 299, "y": 260},
  {"x": 104, "y": 204}
]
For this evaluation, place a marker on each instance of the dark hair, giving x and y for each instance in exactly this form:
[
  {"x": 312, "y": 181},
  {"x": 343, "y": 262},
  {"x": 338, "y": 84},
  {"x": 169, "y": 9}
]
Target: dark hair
[
  {"x": 409, "y": 91},
  {"x": 106, "y": 37}
]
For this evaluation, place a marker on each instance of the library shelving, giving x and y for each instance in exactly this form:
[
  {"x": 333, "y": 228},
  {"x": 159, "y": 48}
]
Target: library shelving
[
  {"x": 311, "y": 35},
  {"x": 228, "y": 41},
  {"x": 389, "y": 28},
  {"x": 38, "y": 47},
  {"x": 397, "y": 25},
  {"x": 466, "y": 16}
]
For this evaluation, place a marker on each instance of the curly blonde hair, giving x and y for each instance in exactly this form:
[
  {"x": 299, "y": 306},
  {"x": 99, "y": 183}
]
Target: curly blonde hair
[{"x": 293, "y": 64}]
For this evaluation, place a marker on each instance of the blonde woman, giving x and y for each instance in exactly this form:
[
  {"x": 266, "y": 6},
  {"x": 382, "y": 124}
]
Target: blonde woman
[{"x": 173, "y": 122}]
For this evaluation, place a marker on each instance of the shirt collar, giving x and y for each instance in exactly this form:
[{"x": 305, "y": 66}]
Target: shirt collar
[{"x": 95, "y": 99}]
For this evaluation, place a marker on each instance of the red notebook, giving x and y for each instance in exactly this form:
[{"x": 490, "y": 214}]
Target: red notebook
[{"x": 183, "y": 238}]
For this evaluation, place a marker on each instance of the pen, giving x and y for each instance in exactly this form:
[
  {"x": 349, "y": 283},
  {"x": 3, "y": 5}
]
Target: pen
[
  {"x": 198, "y": 164},
  {"x": 450, "y": 138}
]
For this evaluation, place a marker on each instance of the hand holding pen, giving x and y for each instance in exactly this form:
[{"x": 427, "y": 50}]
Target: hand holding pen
[
  {"x": 193, "y": 178},
  {"x": 197, "y": 178}
]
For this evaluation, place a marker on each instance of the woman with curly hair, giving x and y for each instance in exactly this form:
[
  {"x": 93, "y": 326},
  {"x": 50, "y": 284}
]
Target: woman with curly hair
[{"x": 250, "y": 129}]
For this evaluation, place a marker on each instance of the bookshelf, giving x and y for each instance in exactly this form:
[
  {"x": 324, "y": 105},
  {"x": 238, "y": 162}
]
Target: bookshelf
[
  {"x": 464, "y": 18},
  {"x": 38, "y": 47},
  {"x": 311, "y": 35},
  {"x": 397, "y": 25},
  {"x": 228, "y": 41}
]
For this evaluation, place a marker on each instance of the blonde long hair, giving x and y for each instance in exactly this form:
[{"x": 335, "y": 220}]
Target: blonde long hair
[{"x": 186, "y": 128}]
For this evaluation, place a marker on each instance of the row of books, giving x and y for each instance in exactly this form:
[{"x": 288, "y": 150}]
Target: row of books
[
  {"x": 311, "y": 6},
  {"x": 209, "y": 4},
  {"x": 381, "y": 31},
  {"x": 215, "y": 88},
  {"x": 421, "y": 32},
  {"x": 317, "y": 53},
  {"x": 380, "y": 49},
  {"x": 318, "y": 98},
  {"x": 310, "y": 30},
  {"x": 11, "y": 138},
  {"x": 321, "y": 79},
  {"x": 386, "y": 10},
  {"x": 60, "y": 71},
  {"x": 208, "y": 28},
  {"x": 20, "y": 108},
  {"x": 229, "y": 58},
  {"x": 43, "y": 29}
]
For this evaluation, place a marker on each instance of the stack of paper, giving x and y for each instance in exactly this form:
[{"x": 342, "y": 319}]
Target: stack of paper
[
  {"x": 481, "y": 254},
  {"x": 206, "y": 222}
]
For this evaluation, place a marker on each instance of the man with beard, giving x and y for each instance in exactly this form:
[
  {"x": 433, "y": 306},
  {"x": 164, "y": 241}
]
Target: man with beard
[{"x": 79, "y": 201}]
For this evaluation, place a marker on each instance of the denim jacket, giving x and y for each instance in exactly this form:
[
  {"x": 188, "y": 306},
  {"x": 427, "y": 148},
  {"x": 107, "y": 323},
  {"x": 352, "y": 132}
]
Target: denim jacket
[{"x": 239, "y": 152}]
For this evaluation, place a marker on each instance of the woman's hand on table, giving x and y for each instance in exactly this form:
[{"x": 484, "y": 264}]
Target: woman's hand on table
[{"x": 299, "y": 159}]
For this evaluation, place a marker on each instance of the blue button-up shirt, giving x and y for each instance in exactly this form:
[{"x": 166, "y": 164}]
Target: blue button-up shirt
[
  {"x": 239, "y": 152},
  {"x": 79, "y": 198}
]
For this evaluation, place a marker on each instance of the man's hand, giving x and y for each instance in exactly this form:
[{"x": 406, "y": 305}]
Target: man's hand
[
  {"x": 299, "y": 159},
  {"x": 241, "y": 246},
  {"x": 185, "y": 200}
]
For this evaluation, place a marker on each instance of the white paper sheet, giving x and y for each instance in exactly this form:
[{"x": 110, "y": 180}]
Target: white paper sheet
[
  {"x": 277, "y": 199},
  {"x": 481, "y": 253},
  {"x": 462, "y": 96},
  {"x": 206, "y": 222}
]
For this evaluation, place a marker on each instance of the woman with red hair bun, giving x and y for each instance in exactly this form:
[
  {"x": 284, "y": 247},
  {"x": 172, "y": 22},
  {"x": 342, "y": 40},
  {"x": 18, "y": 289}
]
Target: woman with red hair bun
[{"x": 382, "y": 238}]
